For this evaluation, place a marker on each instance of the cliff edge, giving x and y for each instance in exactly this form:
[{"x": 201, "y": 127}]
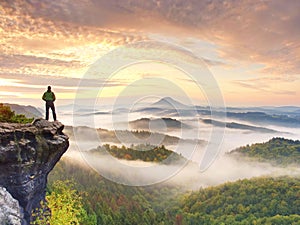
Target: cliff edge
[{"x": 28, "y": 152}]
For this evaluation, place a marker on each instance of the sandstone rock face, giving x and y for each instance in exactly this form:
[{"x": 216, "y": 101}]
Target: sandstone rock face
[
  {"x": 28, "y": 152},
  {"x": 10, "y": 210}
]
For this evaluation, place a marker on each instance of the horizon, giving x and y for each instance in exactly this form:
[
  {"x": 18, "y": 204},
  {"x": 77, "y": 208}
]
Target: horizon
[
  {"x": 71, "y": 102},
  {"x": 248, "y": 52}
]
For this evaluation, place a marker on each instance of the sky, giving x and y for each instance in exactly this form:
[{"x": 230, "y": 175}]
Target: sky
[{"x": 250, "y": 49}]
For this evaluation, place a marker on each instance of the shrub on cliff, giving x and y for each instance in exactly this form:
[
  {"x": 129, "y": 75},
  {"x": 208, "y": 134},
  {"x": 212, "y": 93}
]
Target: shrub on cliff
[{"x": 6, "y": 115}]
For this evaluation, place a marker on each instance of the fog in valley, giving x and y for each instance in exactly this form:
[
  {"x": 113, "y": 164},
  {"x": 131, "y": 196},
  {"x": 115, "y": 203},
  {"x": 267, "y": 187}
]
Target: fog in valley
[{"x": 196, "y": 141}]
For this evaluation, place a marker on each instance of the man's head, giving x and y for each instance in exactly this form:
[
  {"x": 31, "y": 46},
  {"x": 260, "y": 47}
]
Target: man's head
[{"x": 49, "y": 88}]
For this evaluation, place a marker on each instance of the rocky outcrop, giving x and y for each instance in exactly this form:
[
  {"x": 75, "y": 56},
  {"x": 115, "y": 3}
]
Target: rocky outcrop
[
  {"x": 28, "y": 152},
  {"x": 10, "y": 210}
]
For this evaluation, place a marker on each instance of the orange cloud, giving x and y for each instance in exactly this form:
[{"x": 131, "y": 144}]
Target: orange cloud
[
  {"x": 62, "y": 38},
  {"x": 265, "y": 32}
]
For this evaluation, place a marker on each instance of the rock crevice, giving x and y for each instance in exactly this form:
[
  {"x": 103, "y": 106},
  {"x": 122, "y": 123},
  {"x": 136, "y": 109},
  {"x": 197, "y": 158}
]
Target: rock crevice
[{"x": 28, "y": 152}]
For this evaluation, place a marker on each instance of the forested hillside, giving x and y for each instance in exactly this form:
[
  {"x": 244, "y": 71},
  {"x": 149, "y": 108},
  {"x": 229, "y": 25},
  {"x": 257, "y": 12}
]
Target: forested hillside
[
  {"x": 277, "y": 151},
  {"x": 146, "y": 153},
  {"x": 255, "y": 201},
  {"x": 114, "y": 203}
]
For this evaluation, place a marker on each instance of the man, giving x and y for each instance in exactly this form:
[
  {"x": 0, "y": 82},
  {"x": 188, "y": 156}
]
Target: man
[{"x": 49, "y": 98}]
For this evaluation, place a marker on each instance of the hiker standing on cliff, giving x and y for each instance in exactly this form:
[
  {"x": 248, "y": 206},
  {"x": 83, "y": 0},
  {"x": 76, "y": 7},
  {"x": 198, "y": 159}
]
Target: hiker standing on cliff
[{"x": 49, "y": 98}]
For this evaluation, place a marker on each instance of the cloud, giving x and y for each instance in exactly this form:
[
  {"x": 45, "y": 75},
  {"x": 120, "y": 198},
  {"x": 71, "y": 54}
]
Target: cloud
[
  {"x": 213, "y": 62},
  {"x": 56, "y": 38},
  {"x": 19, "y": 61},
  {"x": 62, "y": 38},
  {"x": 68, "y": 83},
  {"x": 25, "y": 88},
  {"x": 267, "y": 84},
  {"x": 265, "y": 32},
  {"x": 68, "y": 23}
]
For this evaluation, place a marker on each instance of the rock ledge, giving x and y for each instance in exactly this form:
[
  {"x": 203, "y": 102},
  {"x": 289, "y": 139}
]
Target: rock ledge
[{"x": 28, "y": 152}]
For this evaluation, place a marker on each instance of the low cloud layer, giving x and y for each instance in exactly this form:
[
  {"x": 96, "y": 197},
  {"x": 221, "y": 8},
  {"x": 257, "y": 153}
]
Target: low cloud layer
[{"x": 138, "y": 173}]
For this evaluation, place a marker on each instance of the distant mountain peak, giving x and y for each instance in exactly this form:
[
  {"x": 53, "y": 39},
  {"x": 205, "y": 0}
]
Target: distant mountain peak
[
  {"x": 169, "y": 102},
  {"x": 168, "y": 99}
]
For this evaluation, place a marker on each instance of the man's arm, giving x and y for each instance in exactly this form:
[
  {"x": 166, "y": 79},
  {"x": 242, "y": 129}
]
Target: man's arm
[
  {"x": 53, "y": 95},
  {"x": 44, "y": 97}
]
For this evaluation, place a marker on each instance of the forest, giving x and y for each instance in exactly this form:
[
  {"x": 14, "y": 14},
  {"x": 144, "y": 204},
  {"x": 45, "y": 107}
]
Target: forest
[
  {"x": 144, "y": 152},
  {"x": 279, "y": 151},
  {"x": 262, "y": 200},
  {"x": 111, "y": 203}
]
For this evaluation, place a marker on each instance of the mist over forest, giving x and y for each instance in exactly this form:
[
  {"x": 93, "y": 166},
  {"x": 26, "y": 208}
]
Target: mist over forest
[
  {"x": 187, "y": 132},
  {"x": 153, "y": 166},
  {"x": 254, "y": 177},
  {"x": 141, "y": 167}
]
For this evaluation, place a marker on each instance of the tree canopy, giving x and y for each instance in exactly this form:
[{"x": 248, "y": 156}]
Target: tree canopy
[
  {"x": 7, "y": 115},
  {"x": 144, "y": 152},
  {"x": 262, "y": 200},
  {"x": 277, "y": 151},
  {"x": 256, "y": 201}
]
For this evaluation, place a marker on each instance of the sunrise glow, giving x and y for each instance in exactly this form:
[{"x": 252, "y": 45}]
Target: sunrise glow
[{"x": 251, "y": 49}]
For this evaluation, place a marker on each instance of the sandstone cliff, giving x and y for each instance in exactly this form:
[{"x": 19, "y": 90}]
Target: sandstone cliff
[
  {"x": 10, "y": 210},
  {"x": 28, "y": 152}
]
